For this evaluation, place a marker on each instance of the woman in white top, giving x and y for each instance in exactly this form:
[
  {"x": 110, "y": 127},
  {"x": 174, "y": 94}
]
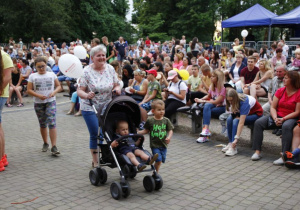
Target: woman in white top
[{"x": 235, "y": 71}]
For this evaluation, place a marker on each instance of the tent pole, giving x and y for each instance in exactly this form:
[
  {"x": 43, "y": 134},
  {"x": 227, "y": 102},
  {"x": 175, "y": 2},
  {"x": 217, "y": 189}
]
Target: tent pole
[
  {"x": 269, "y": 36},
  {"x": 221, "y": 36}
]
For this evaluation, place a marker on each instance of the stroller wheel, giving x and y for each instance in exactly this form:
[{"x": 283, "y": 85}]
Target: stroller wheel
[
  {"x": 102, "y": 175},
  {"x": 126, "y": 189},
  {"x": 126, "y": 171},
  {"x": 94, "y": 177},
  {"x": 116, "y": 190},
  {"x": 158, "y": 182},
  {"x": 133, "y": 172},
  {"x": 149, "y": 183}
]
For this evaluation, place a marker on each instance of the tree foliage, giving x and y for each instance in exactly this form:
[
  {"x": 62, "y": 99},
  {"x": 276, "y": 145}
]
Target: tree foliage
[
  {"x": 174, "y": 18},
  {"x": 64, "y": 20}
]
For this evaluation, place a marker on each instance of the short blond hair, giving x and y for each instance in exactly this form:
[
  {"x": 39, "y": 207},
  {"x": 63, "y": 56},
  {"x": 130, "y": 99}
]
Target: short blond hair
[
  {"x": 297, "y": 51},
  {"x": 156, "y": 103}
]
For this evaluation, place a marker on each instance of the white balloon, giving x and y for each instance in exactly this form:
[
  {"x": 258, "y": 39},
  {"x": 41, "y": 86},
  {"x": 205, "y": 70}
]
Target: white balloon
[
  {"x": 70, "y": 66},
  {"x": 80, "y": 52},
  {"x": 244, "y": 33}
]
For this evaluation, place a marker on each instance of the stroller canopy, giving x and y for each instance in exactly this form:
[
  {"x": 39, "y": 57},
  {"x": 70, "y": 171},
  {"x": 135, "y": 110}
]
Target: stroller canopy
[{"x": 119, "y": 108}]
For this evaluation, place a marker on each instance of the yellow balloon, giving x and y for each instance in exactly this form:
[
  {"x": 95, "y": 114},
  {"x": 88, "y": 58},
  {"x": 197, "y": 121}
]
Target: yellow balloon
[
  {"x": 184, "y": 74},
  {"x": 176, "y": 69}
]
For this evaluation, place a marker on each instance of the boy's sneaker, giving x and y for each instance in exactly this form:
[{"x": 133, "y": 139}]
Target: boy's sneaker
[
  {"x": 205, "y": 132},
  {"x": 202, "y": 139},
  {"x": 141, "y": 126},
  {"x": 153, "y": 159},
  {"x": 224, "y": 129},
  {"x": 2, "y": 168},
  {"x": 54, "y": 151},
  {"x": 4, "y": 160},
  {"x": 286, "y": 155},
  {"x": 45, "y": 147},
  {"x": 294, "y": 162},
  {"x": 226, "y": 148},
  {"x": 141, "y": 167},
  {"x": 231, "y": 152}
]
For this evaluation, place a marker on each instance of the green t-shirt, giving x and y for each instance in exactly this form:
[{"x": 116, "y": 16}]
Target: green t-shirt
[
  {"x": 158, "y": 130},
  {"x": 154, "y": 86},
  {"x": 194, "y": 82}
]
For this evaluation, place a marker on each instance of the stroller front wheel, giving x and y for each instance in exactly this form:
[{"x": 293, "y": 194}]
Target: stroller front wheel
[
  {"x": 126, "y": 189},
  {"x": 102, "y": 175},
  {"x": 149, "y": 183},
  {"x": 158, "y": 181},
  {"x": 116, "y": 190}
]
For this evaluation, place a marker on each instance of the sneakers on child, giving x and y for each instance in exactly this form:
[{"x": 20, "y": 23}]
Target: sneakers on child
[
  {"x": 54, "y": 151},
  {"x": 4, "y": 160},
  {"x": 202, "y": 139},
  {"x": 223, "y": 129},
  {"x": 141, "y": 167},
  {"x": 153, "y": 159},
  {"x": 231, "y": 151},
  {"x": 205, "y": 132},
  {"x": 45, "y": 147},
  {"x": 226, "y": 148},
  {"x": 2, "y": 168},
  {"x": 286, "y": 155}
]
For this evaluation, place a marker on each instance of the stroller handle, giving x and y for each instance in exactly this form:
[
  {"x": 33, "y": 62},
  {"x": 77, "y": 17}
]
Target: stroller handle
[{"x": 133, "y": 136}]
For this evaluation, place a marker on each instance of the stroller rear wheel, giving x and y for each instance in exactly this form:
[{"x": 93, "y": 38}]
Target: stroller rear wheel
[
  {"x": 158, "y": 181},
  {"x": 98, "y": 175},
  {"x": 116, "y": 190},
  {"x": 149, "y": 183},
  {"x": 102, "y": 175},
  {"x": 94, "y": 177},
  {"x": 126, "y": 189}
]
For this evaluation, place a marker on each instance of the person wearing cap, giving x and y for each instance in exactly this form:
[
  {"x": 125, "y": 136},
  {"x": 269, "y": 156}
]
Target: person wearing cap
[
  {"x": 175, "y": 93},
  {"x": 153, "y": 92},
  {"x": 245, "y": 110}
]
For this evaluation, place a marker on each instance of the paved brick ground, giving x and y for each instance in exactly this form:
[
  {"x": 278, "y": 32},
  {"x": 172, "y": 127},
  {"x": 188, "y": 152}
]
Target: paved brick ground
[{"x": 196, "y": 176}]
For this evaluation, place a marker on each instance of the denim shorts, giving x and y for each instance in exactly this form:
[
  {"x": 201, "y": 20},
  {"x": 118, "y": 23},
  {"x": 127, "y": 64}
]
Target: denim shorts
[
  {"x": 162, "y": 154},
  {"x": 2, "y": 102}
]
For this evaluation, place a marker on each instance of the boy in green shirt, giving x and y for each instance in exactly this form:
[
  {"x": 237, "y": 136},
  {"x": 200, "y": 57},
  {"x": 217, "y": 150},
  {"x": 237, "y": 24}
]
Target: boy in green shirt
[{"x": 160, "y": 129}]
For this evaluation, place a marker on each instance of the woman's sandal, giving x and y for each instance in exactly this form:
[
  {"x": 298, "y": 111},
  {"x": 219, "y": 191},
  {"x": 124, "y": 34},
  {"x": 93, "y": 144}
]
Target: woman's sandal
[
  {"x": 20, "y": 105},
  {"x": 70, "y": 112},
  {"x": 8, "y": 105}
]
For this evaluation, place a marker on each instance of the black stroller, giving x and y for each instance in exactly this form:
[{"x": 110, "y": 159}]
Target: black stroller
[{"x": 120, "y": 108}]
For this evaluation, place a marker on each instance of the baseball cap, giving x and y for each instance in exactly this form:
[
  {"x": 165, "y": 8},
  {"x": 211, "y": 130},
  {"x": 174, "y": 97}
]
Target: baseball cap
[
  {"x": 152, "y": 71},
  {"x": 172, "y": 74}
]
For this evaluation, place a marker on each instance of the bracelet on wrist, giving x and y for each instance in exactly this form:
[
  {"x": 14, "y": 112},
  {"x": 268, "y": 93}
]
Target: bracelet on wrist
[{"x": 236, "y": 137}]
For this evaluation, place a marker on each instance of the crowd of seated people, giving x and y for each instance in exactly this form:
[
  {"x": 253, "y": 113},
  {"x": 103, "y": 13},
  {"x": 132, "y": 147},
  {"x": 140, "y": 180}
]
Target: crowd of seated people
[{"x": 155, "y": 71}]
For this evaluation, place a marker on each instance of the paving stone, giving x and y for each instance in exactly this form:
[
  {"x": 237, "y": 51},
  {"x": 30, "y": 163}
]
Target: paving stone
[{"x": 196, "y": 176}]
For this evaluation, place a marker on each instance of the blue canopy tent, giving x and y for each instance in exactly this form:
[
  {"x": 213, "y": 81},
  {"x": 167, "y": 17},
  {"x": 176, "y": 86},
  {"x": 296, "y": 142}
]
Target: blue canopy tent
[
  {"x": 291, "y": 17},
  {"x": 256, "y": 15}
]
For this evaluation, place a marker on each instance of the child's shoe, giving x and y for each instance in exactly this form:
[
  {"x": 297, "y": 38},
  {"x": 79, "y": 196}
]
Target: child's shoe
[
  {"x": 202, "y": 139},
  {"x": 2, "y": 168},
  {"x": 205, "y": 132},
  {"x": 153, "y": 159},
  {"x": 286, "y": 155},
  {"x": 4, "y": 160},
  {"x": 54, "y": 150},
  {"x": 141, "y": 167}
]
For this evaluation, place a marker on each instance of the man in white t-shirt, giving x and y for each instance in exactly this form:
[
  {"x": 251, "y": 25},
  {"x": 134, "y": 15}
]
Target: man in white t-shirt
[{"x": 285, "y": 49}]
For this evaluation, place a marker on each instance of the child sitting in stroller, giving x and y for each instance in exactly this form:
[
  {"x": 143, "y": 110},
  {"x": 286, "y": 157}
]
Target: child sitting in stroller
[{"x": 130, "y": 147}]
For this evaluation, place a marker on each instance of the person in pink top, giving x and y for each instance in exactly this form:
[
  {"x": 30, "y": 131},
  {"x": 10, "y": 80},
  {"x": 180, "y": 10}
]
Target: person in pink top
[
  {"x": 214, "y": 103},
  {"x": 296, "y": 61},
  {"x": 285, "y": 110},
  {"x": 177, "y": 61}
]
